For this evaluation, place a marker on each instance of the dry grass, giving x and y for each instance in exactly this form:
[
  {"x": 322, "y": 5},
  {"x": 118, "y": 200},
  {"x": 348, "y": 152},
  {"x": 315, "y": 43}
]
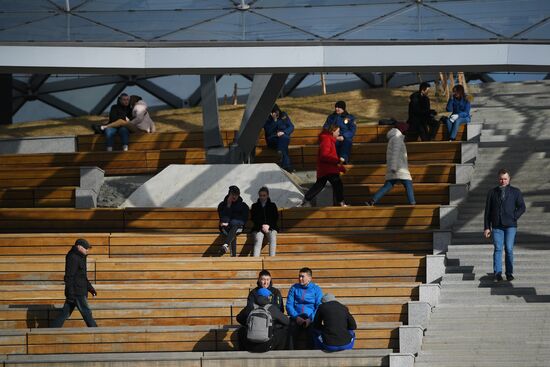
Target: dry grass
[{"x": 368, "y": 106}]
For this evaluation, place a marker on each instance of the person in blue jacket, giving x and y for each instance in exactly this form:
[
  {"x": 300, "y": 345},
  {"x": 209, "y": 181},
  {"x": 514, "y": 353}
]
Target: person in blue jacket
[
  {"x": 233, "y": 213},
  {"x": 459, "y": 107},
  {"x": 346, "y": 123},
  {"x": 302, "y": 302},
  {"x": 278, "y": 129}
]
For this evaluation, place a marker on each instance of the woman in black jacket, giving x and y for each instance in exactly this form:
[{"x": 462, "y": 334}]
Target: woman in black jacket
[{"x": 264, "y": 216}]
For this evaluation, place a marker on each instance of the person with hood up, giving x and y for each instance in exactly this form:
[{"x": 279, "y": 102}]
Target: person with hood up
[
  {"x": 264, "y": 215},
  {"x": 421, "y": 116},
  {"x": 346, "y": 122},
  {"x": 302, "y": 302},
  {"x": 265, "y": 281},
  {"x": 333, "y": 327},
  {"x": 233, "y": 213},
  {"x": 329, "y": 167},
  {"x": 459, "y": 107},
  {"x": 277, "y": 331},
  {"x": 77, "y": 285},
  {"x": 278, "y": 129},
  {"x": 397, "y": 166}
]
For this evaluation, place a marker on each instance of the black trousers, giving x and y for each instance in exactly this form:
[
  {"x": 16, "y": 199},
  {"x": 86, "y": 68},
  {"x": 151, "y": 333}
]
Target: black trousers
[
  {"x": 337, "y": 188},
  {"x": 426, "y": 130},
  {"x": 80, "y": 302},
  {"x": 299, "y": 337},
  {"x": 231, "y": 232}
]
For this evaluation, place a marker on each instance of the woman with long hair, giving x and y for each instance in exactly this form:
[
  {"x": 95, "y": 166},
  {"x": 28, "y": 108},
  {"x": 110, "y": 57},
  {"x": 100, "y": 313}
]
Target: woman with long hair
[{"x": 459, "y": 107}]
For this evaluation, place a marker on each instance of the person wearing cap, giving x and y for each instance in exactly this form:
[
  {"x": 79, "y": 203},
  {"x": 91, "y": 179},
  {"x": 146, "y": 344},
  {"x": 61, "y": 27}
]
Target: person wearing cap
[
  {"x": 302, "y": 302},
  {"x": 346, "y": 122},
  {"x": 397, "y": 166},
  {"x": 279, "y": 331},
  {"x": 233, "y": 213},
  {"x": 265, "y": 281},
  {"x": 278, "y": 129},
  {"x": 333, "y": 327},
  {"x": 264, "y": 215},
  {"x": 77, "y": 285}
]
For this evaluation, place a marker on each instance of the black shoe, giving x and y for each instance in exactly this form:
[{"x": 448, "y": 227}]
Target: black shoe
[
  {"x": 509, "y": 277},
  {"x": 498, "y": 277},
  {"x": 97, "y": 129}
]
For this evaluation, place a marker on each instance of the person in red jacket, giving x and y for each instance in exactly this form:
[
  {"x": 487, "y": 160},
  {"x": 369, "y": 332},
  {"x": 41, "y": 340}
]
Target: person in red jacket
[{"x": 329, "y": 167}]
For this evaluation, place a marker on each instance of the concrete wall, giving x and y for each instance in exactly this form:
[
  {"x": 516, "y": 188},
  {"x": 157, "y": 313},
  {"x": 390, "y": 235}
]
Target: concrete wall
[{"x": 43, "y": 144}]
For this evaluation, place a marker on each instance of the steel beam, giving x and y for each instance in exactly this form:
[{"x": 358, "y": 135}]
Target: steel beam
[
  {"x": 80, "y": 83},
  {"x": 62, "y": 105},
  {"x": 373, "y": 80},
  {"x": 108, "y": 98},
  {"x": 167, "y": 97},
  {"x": 210, "y": 116},
  {"x": 263, "y": 94},
  {"x": 6, "y": 107},
  {"x": 37, "y": 80},
  {"x": 293, "y": 83}
]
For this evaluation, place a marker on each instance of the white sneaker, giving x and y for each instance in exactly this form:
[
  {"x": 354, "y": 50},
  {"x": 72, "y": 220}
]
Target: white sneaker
[
  {"x": 125, "y": 148},
  {"x": 225, "y": 248},
  {"x": 109, "y": 149}
]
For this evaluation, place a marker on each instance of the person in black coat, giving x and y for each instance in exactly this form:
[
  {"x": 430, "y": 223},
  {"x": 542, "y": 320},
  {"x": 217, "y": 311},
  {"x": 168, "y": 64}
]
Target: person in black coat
[
  {"x": 233, "y": 213},
  {"x": 77, "y": 285},
  {"x": 265, "y": 281},
  {"x": 333, "y": 326},
  {"x": 119, "y": 111},
  {"x": 503, "y": 207},
  {"x": 279, "y": 329},
  {"x": 264, "y": 215},
  {"x": 421, "y": 117}
]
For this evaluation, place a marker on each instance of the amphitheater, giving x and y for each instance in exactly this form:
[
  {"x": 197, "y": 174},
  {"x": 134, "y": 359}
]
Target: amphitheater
[{"x": 418, "y": 279}]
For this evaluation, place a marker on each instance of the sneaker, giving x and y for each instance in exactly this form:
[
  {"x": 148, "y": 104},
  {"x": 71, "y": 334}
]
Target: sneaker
[
  {"x": 125, "y": 148},
  {"x": 498, "y": 277},
  {"x": 509, "y": 277},
  {"x": 369, "y": 203},
  {"x": 224, "y": 249}
]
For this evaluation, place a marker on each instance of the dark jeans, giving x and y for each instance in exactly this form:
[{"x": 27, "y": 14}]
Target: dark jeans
[
  {"x": 231, "y": 232},
  {"x": 337, "y": 188},
  {"x": 280, "y": 144},
  {"x": 277, "y": 342},
  {"x": 110, "y": 133},
  {"x": 299, "y": 337},
  {"x": 427, "y": 130},
  {"x": 343, "y": 148},
  {"x": 80, "y": 302}
]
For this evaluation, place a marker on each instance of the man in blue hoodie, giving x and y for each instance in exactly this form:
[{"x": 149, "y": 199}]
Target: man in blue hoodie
[
  {"x": 278, "y": 129},
  {"x": 346, "y": 123},
  {"x": 233, "y": 214},
  {"x": 302, "y": 302}
]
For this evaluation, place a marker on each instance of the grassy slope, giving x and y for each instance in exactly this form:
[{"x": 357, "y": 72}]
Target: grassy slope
[{"x": 368, "y": 106}]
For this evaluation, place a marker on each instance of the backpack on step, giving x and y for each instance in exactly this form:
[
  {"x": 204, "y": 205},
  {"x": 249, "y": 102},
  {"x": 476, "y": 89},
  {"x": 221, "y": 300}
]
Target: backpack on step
[{"x": 259, "y": 324}]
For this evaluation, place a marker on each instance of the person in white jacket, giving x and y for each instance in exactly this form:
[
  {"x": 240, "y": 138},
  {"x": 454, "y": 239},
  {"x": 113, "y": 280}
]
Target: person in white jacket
[{"x": 397, "y": 166}]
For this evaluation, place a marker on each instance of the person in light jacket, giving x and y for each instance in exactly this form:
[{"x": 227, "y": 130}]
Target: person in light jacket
[
  {"x": 141, "y": 120},
  {"x": 459, "y": 107},
  {"x": 397, "y": 166}
]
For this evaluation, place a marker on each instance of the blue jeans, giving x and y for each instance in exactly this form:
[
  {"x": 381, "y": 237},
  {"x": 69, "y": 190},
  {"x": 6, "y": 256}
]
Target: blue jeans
[
  {"x": 319, "y": 344},
  {"x": 280, "y": 144},
  {"x": 80, "y": 302},
  {"x": 343, "y": 148},
  {"x": 110, "y": 133},
  {"x": 388, "y": 186},
  {"x": 504, "y": 237},
  {"x": 452, "y": 127}
]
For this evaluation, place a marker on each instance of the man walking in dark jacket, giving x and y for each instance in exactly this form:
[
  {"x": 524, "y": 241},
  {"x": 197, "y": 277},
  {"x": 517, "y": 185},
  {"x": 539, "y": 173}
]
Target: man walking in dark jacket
[
  {"x": 77, "y": 285},
  {"x": 503, "y": 207},
  {"x": 278, "y": 328},
  {"x": 233, "y": 214},
  {"x": 264, "y": 215},
  {"x": 333, "y": 326},
  {"x": 421, "y": 117}
]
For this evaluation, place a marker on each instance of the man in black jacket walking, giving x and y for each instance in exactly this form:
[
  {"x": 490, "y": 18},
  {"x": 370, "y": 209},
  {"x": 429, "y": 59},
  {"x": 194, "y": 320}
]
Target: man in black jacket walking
[
  {"x": 421, "y": 117},
  {"x": 503, "y": 207},
  {"x": 333, "y": 326},
  {"x": 264, "y": 215},
  {"x": 77, "y": 285}
]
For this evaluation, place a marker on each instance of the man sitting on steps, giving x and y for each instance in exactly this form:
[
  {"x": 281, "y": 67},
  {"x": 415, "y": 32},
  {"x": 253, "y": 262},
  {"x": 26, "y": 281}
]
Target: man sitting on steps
[{"x": 233, "y": 214}]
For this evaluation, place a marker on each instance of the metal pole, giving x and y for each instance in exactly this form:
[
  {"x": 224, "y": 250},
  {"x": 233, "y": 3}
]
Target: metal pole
[{"x": 67, "y": 6}]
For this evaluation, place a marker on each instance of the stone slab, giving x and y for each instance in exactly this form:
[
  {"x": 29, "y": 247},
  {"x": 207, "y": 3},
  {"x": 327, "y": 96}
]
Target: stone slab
[
  {"x": 204, "y": 186},
  {"x": 401, "y": 360},
  {"x": 43, "y": 144}
]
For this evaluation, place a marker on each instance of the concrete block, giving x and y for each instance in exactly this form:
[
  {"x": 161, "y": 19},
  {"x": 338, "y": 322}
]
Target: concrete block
[
  {"x": 205, "y": 185},
  {"x": 91, "y": 178},
  {"x": 468, "y": 152},
  {"x": 410, "y": 339},
  {"x": 464, "y": 173},
  {"x": 41, "y": 144},
  {"x": 448, "y": 214},
  {"x": 473, "y": 132},
  {"x": 441, "y": 241},
  {"x": 457, "y": 193},
  {"x": 401, "y": 360},
  {"x": 429, "y": 293},
  {"x": 435, "y": 268},
  {"x": 418, "y": 313},
  {"x": 219, "y": 155},
  {"x": 85, "y": 199}
]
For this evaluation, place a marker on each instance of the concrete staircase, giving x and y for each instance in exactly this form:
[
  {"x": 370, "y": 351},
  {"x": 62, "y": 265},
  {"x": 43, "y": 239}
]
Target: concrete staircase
[{"x": 478, "y": 322}]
